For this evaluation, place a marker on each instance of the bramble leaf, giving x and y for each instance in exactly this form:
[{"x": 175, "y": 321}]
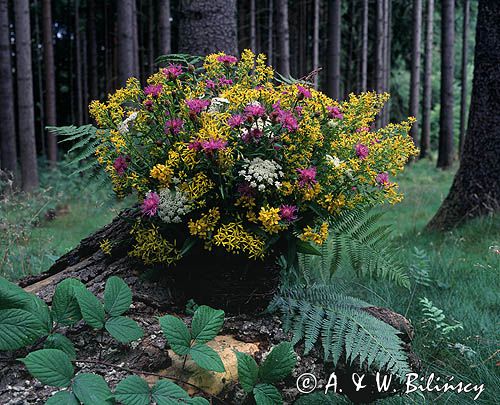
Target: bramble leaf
[
  {"x": 206, "y": 324},
  {"x": 133, "y": 390},
  {"x": 19, "y": 328},
  {"x": 91, "y": 308},
  {"x": 177, "y": 334},
  {"x": 206, "y": 358},
  {"x": 278, "y": 364},
  {"x": 117, "y": 296},
  {"x": 124, "y": 329},
  {"x": 248, "y": 371},
  {"x": 91, "y": 389},
  {"x": 267, "y": 394},
  {"x": 50, "y": 366}
]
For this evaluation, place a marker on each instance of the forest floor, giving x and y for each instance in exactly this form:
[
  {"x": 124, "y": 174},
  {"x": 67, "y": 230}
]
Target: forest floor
[{"x": 458, "y": 271}]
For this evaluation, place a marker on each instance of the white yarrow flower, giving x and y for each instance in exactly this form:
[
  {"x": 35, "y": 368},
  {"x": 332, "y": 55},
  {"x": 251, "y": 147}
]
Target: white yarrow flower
[
  {"x": 260, "y": 173},
  {"x": 173, "y": 206},
  {"x": 123, "y": 127},
  {"x": 218, "y": 104}
]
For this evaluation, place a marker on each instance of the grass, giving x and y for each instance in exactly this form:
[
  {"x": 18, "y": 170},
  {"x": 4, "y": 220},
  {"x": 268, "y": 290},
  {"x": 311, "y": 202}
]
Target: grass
[{"x": 463, "y": 269}]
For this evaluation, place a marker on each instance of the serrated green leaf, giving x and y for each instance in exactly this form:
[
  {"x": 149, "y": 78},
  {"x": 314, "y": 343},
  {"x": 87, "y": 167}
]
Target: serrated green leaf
[
  {"x": 248, "y": 371},
  {"x": 206, "y": 324},
  {"x": 50, "y": 366},
  {"x": 41, "y": 311},
  {"x": 278, "y": 364},
  {"x": 165, "y": 392},
  {"x": 117, "y": 296},
  {"x": 65, "y": 309},
  {"x": 266, "y": 394},
  {"x": 124, "y": 329},
  {"x": 91, "y": 308},
  {"x": 61, "y": 342},
  {"x": 133, "y": 390},
  {"x": 177, "y": 334},
  {"x": 91, "y": 389},
  {"x": 62, "y": 398},
  {"x": 19, "y": 328},
  {"x": 206, "y": 358}
]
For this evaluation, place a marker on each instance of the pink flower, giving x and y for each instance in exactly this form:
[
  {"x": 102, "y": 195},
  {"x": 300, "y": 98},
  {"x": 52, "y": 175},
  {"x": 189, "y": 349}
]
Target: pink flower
[
  {"x": 299, "y": 109},
  {"x": 334, "y": 112},
  {"x": 213, "y": 145},
  {"x": 225, "y": 82},
  {"x": 197, "y": 105},
  {"x": 172, "y": 72},
  {"x": 153, "y": 90},
  {"x": 288, "y": 212},
  {"x": 363, "y": 129},
  {"x": 227, "y": 59},
  {"x": 210, "y": 84},
  {"x": 255, "y": 110},
  {"x": 148, "y": 104},
  {"x": 288, "y": 121},
  {"x": 194, "y": 145},
  {"x": 382, "y": 179},
  {"x": 253, "y": 134},
  {"x": 307, "y": 177},
  {"x": 235, "y": 121},
  {"x": 120, "y": 164},
  {"x": 362, "y": 150},
  {"x": 150, "y": 204},
  {"x": 304, "y": 92},
  {"x": 174, "y": 126}
]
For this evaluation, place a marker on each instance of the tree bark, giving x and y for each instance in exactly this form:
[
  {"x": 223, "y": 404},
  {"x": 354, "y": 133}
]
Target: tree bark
[
  {"x": 283, "y": 38},
  {"x": 253, "y": 27},
  {"x": 25, "y": 107},
  {"x": 164, "y": 27},
  {"x": 387, "y": 58},
  {"x": 270, "y": 31},
  {"x": 364, "y": 48},
  {"x": 8, "y": 148},
  {"x": 476, "y": 188},
  {"x": 125, "y": 41},
  {"x": 415, "y": 67},
  {"x": 425, "y": 141},
  {"x": 334, "y": 35},
  {"x": 208, "y": 26},
  {"x": 315, "y": 52},
  {"x": 92, "y": 50},
  {"x": 379, "y": 50},
  {"x": 135, "y": 39},
  {"x": 78, "y": 65},
  {"x": 446, "y": 152},
  {"x": 463, "y": 92}
]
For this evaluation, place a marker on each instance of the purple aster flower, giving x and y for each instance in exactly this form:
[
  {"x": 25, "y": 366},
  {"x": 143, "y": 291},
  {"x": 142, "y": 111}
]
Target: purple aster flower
[
  {"x": 334, "y": 112},
  {"x": 362, "y": 150},
  {"x": 307, "y": 177},
  {"x": 382, "y": 179},
  {"x": 225, "y": 82},
  {"x": 288, "y": 212},
  {"x": 213, "y": 145},
  {"x": 210, "y": 84},
  {"x": 227, "y": 59},
  {"x": 255, "y": 110},
  {"x": 120, "y": 164},
  {"x": 288, "y": 121},
  {"x": 235, "y": 120},
  {"x": 299, "y": 109},
  {"x": 172, "y": 72},
  {"x": 150, "y": 204},
  {"x": 194, "y": 145},
  {"x": 197, "y": 105},
  {"x": 148, "y": 104},
  {"x": 304, "y": 92},
  {"x": 253, "y": 134},
  {"x": 174, "y": 126},
  {"x": 363, "y": 129},
  {"x": 153, "y": 90}
]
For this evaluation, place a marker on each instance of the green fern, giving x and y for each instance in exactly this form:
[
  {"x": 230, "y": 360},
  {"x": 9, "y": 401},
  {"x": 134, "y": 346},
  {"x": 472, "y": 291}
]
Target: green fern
[
  {"x": 437, "y": 319},
  {"x": 323, "y": 313}
]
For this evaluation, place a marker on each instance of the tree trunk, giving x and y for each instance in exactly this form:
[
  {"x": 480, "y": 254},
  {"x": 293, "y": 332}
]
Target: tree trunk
[
  {"x": 164, "y": 27},
  {"x": 253, "y": 27},
  {"x": 334, "y": 32},
  {"x": 151, "y": 42},
  {"x": 78, "y": 63},
  {"x": 208, "y": 26},
  {"x": 476, "y": 188},
  {"x": 348, "y": 63},
  {"x": 415, "y": 66},
  {"x": 125, "y": 41},
  {"x": 135, "y": 39},
  {"x": 92, "y": 50},
  {"x": 364, "y": 48},
  {"x": 387, "y": 58},
  {"x": 463, "y": 93},
  {"x": 446, "y": 153},
  {"x": 270, "y": 31},
  {"x": 85, "y": 77},
  {"x": 25, "y": 107},
  {"x": 315, "y": 52},
  {"x": 8, "y": 148},
  {"x": 425, "y": 141},
  {"x": 283, "y": 38}
]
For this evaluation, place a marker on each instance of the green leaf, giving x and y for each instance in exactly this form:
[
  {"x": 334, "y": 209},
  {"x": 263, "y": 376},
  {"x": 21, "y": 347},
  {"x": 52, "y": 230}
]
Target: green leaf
[
  {"x": 248, "y": 371},
  {"x": 133, "y": 390},
  {"x": 91, "y": 389},
  {"x": 91, "y": 308},
  {"x": 206, "y": 324},
  {"x": 61, "y": 342},
  {"x": 165, "y": 392},
  {"x": 117, "y": 296},
  {"x": 177, "y": 334},
  {"x": 278, "y": 364},
  {"x": 19, "y": 329},
  {"x": 307, "y": 249},
  {"x": 50, "y": 366},
  {"x": 62, "y": 398},
  {"x": 266, "y": 394},
  {"x": 206, "y": 358},
  {"x": 124, "y": 329},
  {"x": 65, "y": 309},
  {"x": 41, "y": 311}
]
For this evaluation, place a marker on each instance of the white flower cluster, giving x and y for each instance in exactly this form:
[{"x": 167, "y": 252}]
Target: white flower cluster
[
  {"x": 260, "y": 173},
  {"x": 218, "y": 104},
  {"x": 123, "y": 127},
  {"x": 173, "y": 205}
]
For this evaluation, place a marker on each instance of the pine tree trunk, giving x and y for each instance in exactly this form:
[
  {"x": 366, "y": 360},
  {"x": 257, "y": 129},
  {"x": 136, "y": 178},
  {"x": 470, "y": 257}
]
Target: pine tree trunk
[
  {"x": 151, "y": 42},
  {"x": 135, "y": 40},
  {"x": 25, "y": 105},
  {"x": 85, "y": 78},
  {"x": 208, "y": 26},
  {"x": 8, "y": 148},
  {"x": 164, "y": 27},
  {"x": 387, "y": 59},
  {"x": 315, "y": 53},
  {"x": 415, "y": 66},
  {"x": 334, "y": 32},
  {"x": 92, "y": 50},
  {"x": 425, "y": 141},
  {"x": 463, "y": 92},
  {"x": 446, "y": 153},
  {"x": 78, "y": 63},
  {"x": 125, "y": 41},
  {"x": 476, "y": 188},
  {"x": 283, "y": 38},
  {"x": 364, "y": 48},
  {"x": 379, "y": 50},
  {"x": 270, "y": 31},
  {"x": 253, "y": 27},
  {"x": 348, "y": 63},
  {"x": 38, "y": 79}
]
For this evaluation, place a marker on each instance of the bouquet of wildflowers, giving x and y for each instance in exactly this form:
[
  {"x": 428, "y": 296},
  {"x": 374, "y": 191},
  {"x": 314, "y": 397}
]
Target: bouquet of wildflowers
[{"x": 224, "y": 156}]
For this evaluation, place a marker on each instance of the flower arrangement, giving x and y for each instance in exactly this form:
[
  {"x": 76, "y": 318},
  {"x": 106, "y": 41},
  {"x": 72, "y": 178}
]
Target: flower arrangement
[{"x": 224, "y": 155}]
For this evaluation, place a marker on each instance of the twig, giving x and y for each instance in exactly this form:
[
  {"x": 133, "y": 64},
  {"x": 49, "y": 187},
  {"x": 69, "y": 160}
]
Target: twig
[{"x": 133, "y": 371}]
